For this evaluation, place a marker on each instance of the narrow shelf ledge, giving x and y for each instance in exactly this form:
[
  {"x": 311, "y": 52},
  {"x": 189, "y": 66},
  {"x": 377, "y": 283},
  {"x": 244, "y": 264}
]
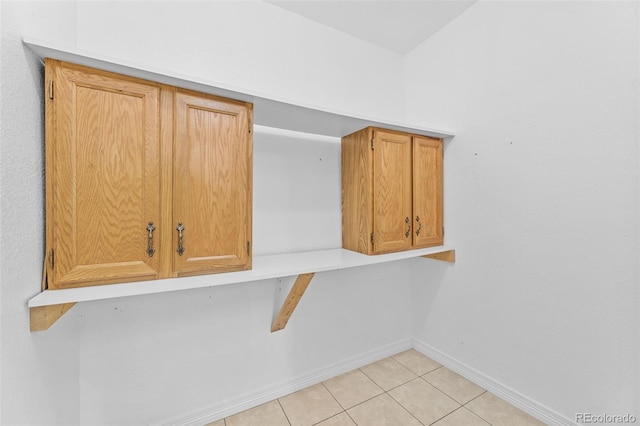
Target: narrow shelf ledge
[
  {"x": 268, "y": 111},
  {"x": 264, "y": 267}
]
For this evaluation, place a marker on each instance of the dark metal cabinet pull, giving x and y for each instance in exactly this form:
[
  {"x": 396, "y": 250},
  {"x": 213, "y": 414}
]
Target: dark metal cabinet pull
[
  {"x": 419, "y": 225},
  {"x": 150, "y": 249},
  {"x": 180, "y": 248},
  {"x": 408, "y": 224}
]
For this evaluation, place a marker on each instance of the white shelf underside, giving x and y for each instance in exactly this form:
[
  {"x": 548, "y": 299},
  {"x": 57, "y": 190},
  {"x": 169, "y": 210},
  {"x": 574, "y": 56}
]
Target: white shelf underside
[
  {"x": 264, "y": 267},
  {"x": 268, "y": 111}
]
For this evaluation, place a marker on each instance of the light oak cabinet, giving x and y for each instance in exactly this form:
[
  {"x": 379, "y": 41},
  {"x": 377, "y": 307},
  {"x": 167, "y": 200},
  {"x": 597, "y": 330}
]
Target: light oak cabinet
[
  {"x": 212, "y": 184},
  {"x": 127, "y": 162},
  {"x": 391, "y": 191}
]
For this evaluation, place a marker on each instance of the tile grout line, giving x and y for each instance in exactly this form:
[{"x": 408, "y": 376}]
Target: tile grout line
[
  {"x": 450, "y": 396},
  {"x": 443, "y": 392},
  {"x": 385, "y": 391},
  {"x": 332, "y": 396},
  {"x": 368, "y": 399},
  {"x": 422, "y": 376},
  {"x": 415, "y": 372},
  {"x": 404, "y": 408},
  {"x": 352, "y": 419},
  {"x": 283, "y": 411},
  {"x": 475, "y": 397},
  {"x": 472, "y": 411},
  {"x": 477, "y": 415},
  {"x": 337, "y": 402},
  {"x": 460, "y": 405},
  {"x": 337, "y": 414}
]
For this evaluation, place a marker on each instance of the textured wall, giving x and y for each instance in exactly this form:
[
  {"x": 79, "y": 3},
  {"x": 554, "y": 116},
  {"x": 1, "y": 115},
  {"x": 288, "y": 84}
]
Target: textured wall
[
  {"x": 541, "y": 199},
  {"x": 541, "y": 187},
  {"x": 252, "y": 45},
  {"x": 39, "y": 379},
  {"x": 150, "y": 359}
]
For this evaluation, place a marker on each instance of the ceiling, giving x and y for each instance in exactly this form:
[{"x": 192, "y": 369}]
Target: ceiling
[{"x": 398, "y": 25}]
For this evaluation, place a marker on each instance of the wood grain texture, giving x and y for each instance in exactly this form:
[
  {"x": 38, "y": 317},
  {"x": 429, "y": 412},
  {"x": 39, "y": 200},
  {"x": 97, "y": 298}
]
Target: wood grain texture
[
  {"x": 43, "y": 317},
  {"x": 212, "y": 187},
  {"x": 445, "y": 256},
  {"x": 104, "y": 155},
  {"x": 291, "y": 302},
  {"x": 122, "y": 152},
  {"x": 427, "y": 192},
  {"x": 166, "y": 226},
  {"x": 399, "y": 180},
  {"x": 50, "y": 129},
  {"x": 392, "y": 191},
  {"x": 357, "y": 191}
]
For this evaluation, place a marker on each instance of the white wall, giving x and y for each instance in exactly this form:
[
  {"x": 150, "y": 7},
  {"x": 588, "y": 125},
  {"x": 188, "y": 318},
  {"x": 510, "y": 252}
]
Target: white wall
[
  {"x": 250, "y": 45},
  {"x": 541, "y": 186},
  {"x": 152, "y": 359},
  {"x": 39, "y": 372},
  {"x": 146, "y": 360}
]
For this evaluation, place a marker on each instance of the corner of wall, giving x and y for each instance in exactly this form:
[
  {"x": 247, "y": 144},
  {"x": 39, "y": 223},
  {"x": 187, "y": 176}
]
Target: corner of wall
[{"x": 39, "y": 372}]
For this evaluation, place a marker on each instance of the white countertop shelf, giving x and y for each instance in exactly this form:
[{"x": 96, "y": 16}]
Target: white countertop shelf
[
  {"x": 264, "y": 267},
  {"x": 268, "y": 111}
]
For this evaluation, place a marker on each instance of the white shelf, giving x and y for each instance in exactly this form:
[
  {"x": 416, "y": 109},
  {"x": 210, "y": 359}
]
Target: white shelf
[
  {"x": 264, "y": 267},
  {"x": 268, "y": 111}
]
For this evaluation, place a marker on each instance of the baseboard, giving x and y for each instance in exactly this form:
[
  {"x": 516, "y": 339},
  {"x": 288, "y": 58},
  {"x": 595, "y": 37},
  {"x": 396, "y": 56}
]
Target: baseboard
[
  {"x": 514, "y": 398},
  {"x": 269, "y": 393}
]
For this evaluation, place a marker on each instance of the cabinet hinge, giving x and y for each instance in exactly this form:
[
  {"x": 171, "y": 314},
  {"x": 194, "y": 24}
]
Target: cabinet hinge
[
  {"x": 248, "y": 248},
  {"x": 250, "y": 126},
  {"x": 373, "y": 240},
  {"x": 372, "y": 144},
  {"x": 50, "y": 89},
  {"x": 443, "y": 231},
  {"x": 51, "y": 263}
]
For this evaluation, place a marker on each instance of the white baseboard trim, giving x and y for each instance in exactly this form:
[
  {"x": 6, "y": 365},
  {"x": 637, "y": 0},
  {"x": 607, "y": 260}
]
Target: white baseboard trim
[
  {"x": 514, "y": 398},
  {"x": 269, "y": 393}
]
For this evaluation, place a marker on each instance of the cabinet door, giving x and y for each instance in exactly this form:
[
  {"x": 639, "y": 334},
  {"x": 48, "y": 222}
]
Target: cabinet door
[
  {"x": 427, "y": 191},
  {"x": 102, "y": 176},
  {"x": 212, "y": 184},
  {"x": 391, "y": 191}
]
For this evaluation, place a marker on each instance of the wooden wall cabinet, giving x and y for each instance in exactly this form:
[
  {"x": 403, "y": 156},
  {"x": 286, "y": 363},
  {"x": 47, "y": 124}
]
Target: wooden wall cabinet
[
  {"x": 127, "y": 162},
  {"x": 391, "y": 191},
  {"x": 122, "y": 152}
]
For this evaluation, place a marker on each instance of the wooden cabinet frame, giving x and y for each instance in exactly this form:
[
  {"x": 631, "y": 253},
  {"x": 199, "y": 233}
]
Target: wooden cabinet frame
[
  {"x": 124, "y": 155},
  {"x": 391, "y": 191},
  {"x": 49, "y": 305}
]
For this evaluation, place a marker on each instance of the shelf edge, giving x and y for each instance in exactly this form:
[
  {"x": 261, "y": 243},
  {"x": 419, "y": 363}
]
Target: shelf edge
[
  {"x": 346, "y": 259},
  {"x": 308, "y": 118}
]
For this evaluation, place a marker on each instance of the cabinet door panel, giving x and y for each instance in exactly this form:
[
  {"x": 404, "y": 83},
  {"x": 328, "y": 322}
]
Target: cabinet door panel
[
  {"x": 427, "y": 191},
  {"x": 106, "y": 177},
  {"x": 212, "y": 184},
  {"x": 392, "y": 192}
]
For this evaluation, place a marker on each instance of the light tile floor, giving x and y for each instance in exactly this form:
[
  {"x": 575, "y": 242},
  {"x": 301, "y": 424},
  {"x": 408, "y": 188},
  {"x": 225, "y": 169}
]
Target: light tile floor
[{"x": 407, "y": 389}]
